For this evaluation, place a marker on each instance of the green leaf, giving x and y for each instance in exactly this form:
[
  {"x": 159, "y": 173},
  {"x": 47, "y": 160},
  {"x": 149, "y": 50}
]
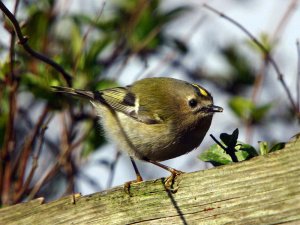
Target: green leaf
[
  {"x": 105, "y": 84},
  {"x": 230, "y": 140},
  {"x": 263, "y": 147},
  {"x": 258, "y": 113},
  {"x": 4, "y": 70},
  {"x": 215, "y": 155},
  {"x": 4, "y": 114},
  {"x": 245, "y": 151},
  {"x": 76, "y": 41},
  {"x": 96, "y": 48},
  {"x": 277, "y": 146},
  {"x": 37, "y": 85},
  {"x": 242, "y": 107},
  {"x": 38, "y": 24},
  {"x": 241, "y": 72},
  {"x": 246, "y": 110}
]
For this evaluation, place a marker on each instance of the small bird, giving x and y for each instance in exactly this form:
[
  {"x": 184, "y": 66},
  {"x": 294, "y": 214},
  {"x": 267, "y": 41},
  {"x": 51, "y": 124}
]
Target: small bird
[{"x": 154, "y": 119}]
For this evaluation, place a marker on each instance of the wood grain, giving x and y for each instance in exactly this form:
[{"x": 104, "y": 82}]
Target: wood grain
[{"x": 264, "y": 190}]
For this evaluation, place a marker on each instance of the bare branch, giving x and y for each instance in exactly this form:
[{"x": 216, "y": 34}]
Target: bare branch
[
  {"x": 112, "y": 169},
  {"x": 23, "y": 158},
  {"x": 34, "y": 161},
  {"x": 287, "y": 15},
  {"x": 23, "y": 41},
  {"x": 264, "y": 50},
  {"x": 50, "y": 172},
  {"x": 298, "y": 76},
  {"x": 9, "y": 138}
]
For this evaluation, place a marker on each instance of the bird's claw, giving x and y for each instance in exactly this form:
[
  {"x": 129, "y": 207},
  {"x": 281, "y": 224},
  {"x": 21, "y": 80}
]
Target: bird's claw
[
  {"x": 170, "y": 182},
  {"x": 128, "y": 184}
]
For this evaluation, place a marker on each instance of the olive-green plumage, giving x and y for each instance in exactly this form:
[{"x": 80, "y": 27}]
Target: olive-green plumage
[{"x": 154, "y": 118}]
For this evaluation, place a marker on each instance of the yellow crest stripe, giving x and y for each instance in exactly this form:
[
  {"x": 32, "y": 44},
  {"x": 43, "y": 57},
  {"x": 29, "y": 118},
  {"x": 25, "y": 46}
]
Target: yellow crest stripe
[{"x": 202, "y": 91}]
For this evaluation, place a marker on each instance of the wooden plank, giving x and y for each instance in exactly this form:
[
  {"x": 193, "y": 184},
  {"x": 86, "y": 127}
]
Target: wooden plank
[{"x": 264, "y": 190}]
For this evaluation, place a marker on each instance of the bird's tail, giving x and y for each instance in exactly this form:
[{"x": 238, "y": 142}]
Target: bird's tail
[{"x": 74, "y": 92}]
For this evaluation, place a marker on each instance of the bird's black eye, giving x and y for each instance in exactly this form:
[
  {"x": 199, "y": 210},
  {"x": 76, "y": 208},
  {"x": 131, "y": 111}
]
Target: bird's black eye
[{"x": 193, "y": 103}]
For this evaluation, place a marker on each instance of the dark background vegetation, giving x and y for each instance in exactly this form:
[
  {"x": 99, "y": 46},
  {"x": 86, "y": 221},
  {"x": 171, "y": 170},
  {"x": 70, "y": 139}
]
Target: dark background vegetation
[{"x": 45, "y": 43}]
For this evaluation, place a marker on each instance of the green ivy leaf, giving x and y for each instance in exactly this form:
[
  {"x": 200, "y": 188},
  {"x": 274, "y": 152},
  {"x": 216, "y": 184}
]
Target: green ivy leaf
[
  {"x": 215, "y": 155},
  {"x": 277, "y": 146},
  {"x": 230, "y": 140},
  {"x": 218, "y": 156},
  {"x": 245, "y": 151}
]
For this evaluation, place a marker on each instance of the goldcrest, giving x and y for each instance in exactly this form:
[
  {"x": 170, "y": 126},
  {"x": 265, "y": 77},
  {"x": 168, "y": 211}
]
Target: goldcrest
[{"x": 154, "y": 119}]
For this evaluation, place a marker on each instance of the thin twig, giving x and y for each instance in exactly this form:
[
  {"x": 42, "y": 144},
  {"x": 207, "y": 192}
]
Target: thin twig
[
  {"x": 112, "y": 169},
  {"x": 51, "y": 145},
  {"x": 66, "y": 159},
  {"x": 23, "y": 158},
  {"x": 287, "y": 15},
  {"x": 23, "y": 41},
  {"x": 80, "y": 139},
  {"x": 62, "y": 160},
  {"x": 51, "y": 171},
  {"x": 137, "y": 50},
  {"x": 281, "y": 25},
  {"x": 35, "y": 158},
  {"x": 218, "y": 143},
  {"x": 258, "y": 83},
  {"x": 298, "y": 75},
  {"x": 264, "y": 50},
  {"x": 83, "y": 42},
  {"x": 132, "y": 23},
  {"x": 91, "y": 181},
  {"x": 172, "y": 56},
  {"x": 9, "y": 139},
  {"x": 230, "y": 152}
]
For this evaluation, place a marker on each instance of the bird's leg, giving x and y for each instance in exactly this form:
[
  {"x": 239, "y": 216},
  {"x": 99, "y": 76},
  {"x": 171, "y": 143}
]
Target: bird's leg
[
  {"x": 171, "y": 179},
  {"x": 138, "y": 177}
]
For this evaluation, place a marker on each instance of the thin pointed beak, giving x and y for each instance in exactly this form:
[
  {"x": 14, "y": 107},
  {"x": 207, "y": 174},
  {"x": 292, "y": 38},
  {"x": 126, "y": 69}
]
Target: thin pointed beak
[
  {"x": 210, "y": 109},
  {"x": 214, "y": 108}
]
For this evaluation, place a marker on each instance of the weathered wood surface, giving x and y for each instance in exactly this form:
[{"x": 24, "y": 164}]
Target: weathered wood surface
[{"x": 264, "y": 190}]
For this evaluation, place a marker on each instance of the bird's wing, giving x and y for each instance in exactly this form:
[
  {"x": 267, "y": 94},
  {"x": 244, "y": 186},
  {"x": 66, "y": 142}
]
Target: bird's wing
[{"x": 122, "y": 100}]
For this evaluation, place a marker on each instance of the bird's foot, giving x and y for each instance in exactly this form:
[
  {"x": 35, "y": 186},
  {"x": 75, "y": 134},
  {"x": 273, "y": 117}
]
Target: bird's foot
[
  {"x": 170, "y": 182},
  {"x": 128, "y": 184}
]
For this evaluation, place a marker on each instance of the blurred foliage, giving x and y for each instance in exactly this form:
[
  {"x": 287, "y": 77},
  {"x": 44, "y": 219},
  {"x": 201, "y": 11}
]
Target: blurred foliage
[
  {"x": 266, "y": 41},
  {"x": 241, "y": 73},
  {"x": 239, "y": 80},
  {"x": 246, "y": 110},
  {"x": 87, "y": 47},
  {"x": 94, "y": 139}
]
